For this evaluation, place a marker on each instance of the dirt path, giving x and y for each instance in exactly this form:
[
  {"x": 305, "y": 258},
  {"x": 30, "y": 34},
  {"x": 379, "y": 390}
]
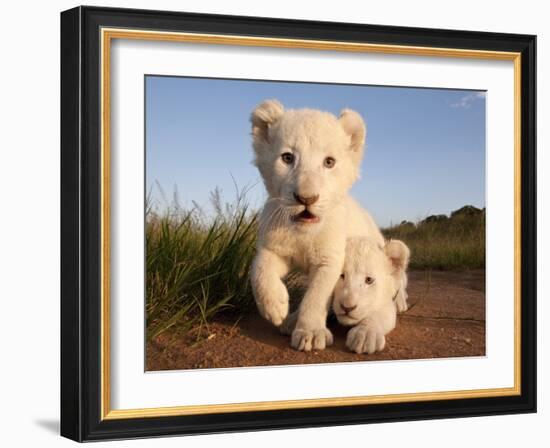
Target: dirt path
[{"x": 446, "y": 319}]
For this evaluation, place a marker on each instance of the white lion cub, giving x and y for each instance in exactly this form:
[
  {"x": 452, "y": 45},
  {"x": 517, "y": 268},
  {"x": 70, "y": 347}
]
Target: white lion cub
[
  {"x": 308, "y": 160},
  {"x": 365, "y": 295}
]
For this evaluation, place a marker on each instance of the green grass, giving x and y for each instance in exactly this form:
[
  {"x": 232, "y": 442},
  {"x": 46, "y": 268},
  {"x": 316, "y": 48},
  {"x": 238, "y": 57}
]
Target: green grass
[
  {"x": 445, "y": 243},
  {"x": 197, "y": 265}
]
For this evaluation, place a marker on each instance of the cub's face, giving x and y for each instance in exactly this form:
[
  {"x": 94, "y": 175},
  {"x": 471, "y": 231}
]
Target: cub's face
[
  {"x": 370, "y": 278},
  {"x": 308, "y": 159}
]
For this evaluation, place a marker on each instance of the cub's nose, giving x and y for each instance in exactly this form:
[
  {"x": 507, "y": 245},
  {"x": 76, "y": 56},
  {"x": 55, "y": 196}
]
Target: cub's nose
[
  {"x": 306, "y": 200},
  {"x": 348, "y": 309}
]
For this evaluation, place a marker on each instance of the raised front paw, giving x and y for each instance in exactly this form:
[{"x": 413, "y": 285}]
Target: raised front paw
[
  {"x": 307, "y": 340},
  {"x": 274, "y": 310},
  {"x": 365, "y": 339}
]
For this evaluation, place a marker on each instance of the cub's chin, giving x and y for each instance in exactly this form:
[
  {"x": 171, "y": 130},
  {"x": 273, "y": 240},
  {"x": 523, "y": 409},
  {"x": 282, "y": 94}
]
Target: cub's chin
[{"x": 346, "y": 320}]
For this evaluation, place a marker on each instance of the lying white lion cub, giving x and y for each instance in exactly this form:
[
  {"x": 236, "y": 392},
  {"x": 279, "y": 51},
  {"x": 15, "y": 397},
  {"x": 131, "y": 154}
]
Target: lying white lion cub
[{"x": 366, "y": 293}]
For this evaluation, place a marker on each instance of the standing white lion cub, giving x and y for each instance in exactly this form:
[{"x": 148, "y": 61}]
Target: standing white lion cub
[
  {"x": 366, "y": 294},
  {"x": 308, "y": 160}
]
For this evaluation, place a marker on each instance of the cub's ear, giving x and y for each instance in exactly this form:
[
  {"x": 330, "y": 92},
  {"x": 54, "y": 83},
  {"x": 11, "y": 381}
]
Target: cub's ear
[
  {"x": 399, "y": 255},
  {"x": 355, "y": 127},
  {"x": 263, "y": 116}
]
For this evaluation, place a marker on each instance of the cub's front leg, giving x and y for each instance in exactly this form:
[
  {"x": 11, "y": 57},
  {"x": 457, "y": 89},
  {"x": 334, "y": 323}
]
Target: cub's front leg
[
  {"x": 270, "y": 293},
  {"x": 369, "y": 335},
  {"x": 367, "y": 338},
  {"x": 311, "y": 332},
  {"x": 401, "y": 296}
]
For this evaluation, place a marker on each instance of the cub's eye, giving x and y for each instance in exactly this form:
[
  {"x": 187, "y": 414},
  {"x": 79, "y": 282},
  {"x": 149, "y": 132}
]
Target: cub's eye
[
  {"x": 287, "y": 157},
  {"x": 369, "y": 280},
  {"x": 329, "y": 162},
  {"x": 342, "y": 276}
]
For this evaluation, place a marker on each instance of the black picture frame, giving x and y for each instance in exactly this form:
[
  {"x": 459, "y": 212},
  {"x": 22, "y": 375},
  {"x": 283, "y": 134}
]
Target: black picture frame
[{"x": 81, "y": 224}]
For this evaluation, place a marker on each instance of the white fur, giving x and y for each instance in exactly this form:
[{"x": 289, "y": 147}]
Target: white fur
[
  {"x": 316, "y": 248},
  {"x": 371, "y": 279}
]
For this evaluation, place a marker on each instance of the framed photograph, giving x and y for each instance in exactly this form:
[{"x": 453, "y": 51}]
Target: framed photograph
[{"x": 273, "y": 223}]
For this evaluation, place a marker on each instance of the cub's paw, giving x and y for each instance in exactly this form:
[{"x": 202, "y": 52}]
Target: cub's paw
[
  {"x": 275, "y": 310},
  {"x": 307, "y": 340},
  {"x": 401, "y": 302},
  {"x": 365, "y": 339}
]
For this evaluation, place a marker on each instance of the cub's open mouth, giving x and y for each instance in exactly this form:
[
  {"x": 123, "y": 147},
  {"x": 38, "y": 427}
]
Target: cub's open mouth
[{"x": 305, "y": 217}]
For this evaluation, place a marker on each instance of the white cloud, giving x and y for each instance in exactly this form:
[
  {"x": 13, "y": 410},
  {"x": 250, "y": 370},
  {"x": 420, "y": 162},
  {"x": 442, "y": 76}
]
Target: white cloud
[{"x": 466, "y": 101}]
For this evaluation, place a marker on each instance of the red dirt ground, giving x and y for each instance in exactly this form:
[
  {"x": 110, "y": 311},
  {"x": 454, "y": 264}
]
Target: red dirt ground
[{"x": 446, "y": 318}]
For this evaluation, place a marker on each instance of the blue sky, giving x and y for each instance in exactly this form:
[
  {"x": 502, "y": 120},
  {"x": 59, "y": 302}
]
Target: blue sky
[{"x": 425, "y": 147}]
